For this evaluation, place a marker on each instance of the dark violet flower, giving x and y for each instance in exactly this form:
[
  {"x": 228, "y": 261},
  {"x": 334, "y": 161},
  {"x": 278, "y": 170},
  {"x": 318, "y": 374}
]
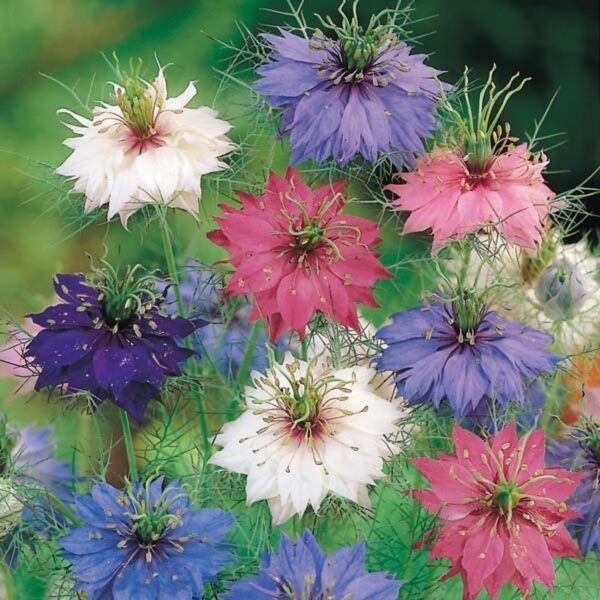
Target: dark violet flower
[
  {"x": 582, "y": 453},
  {"x": 109, "y": 337},
  {"x": 444, "y": 352},
  {"x": 302, "y": 570},
  {"x": 352, "y": 91},
  {"x": 146, "y": 542}
]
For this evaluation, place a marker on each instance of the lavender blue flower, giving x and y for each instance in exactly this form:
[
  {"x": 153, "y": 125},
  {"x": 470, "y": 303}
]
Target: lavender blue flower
[
  {"x": 146, "y": 542},
  {"x": 360, "y": 91},
  {"x": 110, "y": 338},
  {"x": 582, "y": 453},
  {"x": 303, "y": 570},
  {"x": 435, "y": 359}
]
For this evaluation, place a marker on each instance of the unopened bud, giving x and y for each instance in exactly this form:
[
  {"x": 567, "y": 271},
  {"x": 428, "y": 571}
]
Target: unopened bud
[{"x": 561, "y": 290}]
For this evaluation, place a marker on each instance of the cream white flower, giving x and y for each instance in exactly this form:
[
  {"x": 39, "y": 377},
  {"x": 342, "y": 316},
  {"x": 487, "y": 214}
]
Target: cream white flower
[
  {"x": 308, "y": 430},
  {"x": 518, "y": 294},
  {"x": 146, "y": 149}
]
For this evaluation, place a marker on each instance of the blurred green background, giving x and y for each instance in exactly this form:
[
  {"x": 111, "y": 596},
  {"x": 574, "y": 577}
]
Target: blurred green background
[{"x": 555, "y": 42}]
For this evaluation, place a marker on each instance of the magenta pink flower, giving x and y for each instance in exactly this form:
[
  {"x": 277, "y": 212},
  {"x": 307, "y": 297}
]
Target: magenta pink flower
[
  {"x": 297, "y": 255},
  {"x": 455, "y": 197},
  {"x": 502, "y": 513}
]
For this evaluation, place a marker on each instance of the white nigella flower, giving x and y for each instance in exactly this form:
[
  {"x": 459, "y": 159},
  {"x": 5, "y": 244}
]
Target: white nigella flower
[
  {"x": 308, "y": 430},
  {"x": 556, "y": 291},
  {"x": 146, "y": 149}
]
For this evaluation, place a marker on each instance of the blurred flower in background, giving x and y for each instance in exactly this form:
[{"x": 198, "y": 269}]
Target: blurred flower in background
[{"x": 228, "y": 337}]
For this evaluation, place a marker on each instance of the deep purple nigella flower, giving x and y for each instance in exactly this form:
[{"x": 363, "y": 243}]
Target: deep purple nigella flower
[
  {"x": 146, "y": 542},
  {"x": 111, "y": 337},
  {"x": 442, "y": 353},
  {"x": 303, "y": 570},
  {"x": 582, "y": 453},
  {"x": 354, "y": 91}
]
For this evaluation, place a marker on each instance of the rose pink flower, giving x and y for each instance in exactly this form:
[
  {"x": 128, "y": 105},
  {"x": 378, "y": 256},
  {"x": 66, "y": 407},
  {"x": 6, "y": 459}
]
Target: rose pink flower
[
  {"x": 502, "y": 513},
  {"x": 452, "y": 199},
  {"x": 297, "y": 255}
]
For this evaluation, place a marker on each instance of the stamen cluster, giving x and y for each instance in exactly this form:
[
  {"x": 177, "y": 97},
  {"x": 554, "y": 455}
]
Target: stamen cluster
[{"x": 309, "y": 429}]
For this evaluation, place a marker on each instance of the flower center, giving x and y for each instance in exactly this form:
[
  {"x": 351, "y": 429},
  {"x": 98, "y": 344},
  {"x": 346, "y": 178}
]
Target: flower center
[
  {"x": 506, "y": 497},
  {"x": 312, "y": 234},
  {"x": 118, "y": 310},
  {"x": 468, "y": 309},
  {"x": 358, "y": 55},
  {"x": 124, "y": 296},
  {"x": 478, "y": 160},
  {"x": 148, "y": 528},
  {"x": 141, "y": 104},
  {"x": 310, "y": 238},
  {"x": 356, "y": 51},
  {"x": 137, "y": 107}
]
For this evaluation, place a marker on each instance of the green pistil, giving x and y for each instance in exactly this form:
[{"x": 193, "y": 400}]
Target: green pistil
[
  {"x": 311, "y": 238},
  {"x": 124, "y": 294},
  {"x": 506, "y": 497},
  {"x": 359, "y": 45},
  {"x": 138, "y": 109},
  {"x": 359, "y": 54},
  {"x": 135, "y": 101},
  {"x": 468, "y": 308},
  {"x": 480, "y": 134},
  {"x": 149, "y": 528},
  {"x": 118, "y": 309},
  {"x": 479, "y": 155}
]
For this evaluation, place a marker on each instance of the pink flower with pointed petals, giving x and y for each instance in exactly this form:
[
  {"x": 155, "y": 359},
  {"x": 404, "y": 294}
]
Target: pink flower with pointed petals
[
  {"x": 297, "y": 255},
  {"x": 453, "y": 199},
  {"x": 502, "y": 513}
]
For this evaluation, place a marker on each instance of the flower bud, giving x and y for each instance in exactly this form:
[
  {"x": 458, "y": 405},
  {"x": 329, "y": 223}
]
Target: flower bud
[
  {"x": 561, "y": 290},
  {"x": 10, "y": 508}
]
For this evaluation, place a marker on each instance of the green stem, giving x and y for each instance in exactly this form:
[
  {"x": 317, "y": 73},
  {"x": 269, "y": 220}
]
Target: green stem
[
  {"x": 304, "y": 345},
  {"x": 171, "y": 264},
  {"x": 64, "y": 509},
  {"x": 128, "y": 439},
  {"x": 464, "y": 271},
  {"x": 249, "y": 353},
  {"x": 173, "y": 274}
]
